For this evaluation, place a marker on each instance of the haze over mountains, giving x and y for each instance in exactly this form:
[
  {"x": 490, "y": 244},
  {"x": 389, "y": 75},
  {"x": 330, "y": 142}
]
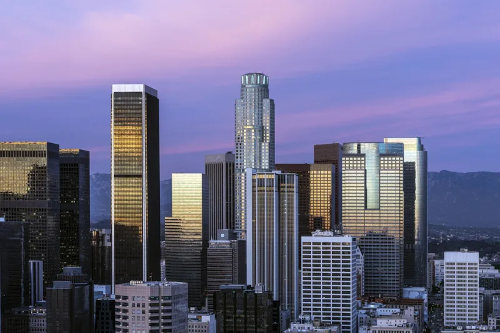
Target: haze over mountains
[{"x": 461, "y": 199}]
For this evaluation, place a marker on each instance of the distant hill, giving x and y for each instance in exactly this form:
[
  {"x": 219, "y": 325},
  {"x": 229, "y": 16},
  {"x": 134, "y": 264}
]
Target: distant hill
[
  {"x": 464, "y": 199},
  {"x": 461, "y": 199}
]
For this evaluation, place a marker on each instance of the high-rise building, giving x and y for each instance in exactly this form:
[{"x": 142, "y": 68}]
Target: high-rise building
[
  {"x": 225, "y": 263},
  {"x": 415, "y": 210},
  {"x": 373, "y": 211},
  {"x": 105, "y": 315},
  {"x": 70, "y": 302},
  {"x": 272, "y": 236},
  {"x": 74, "y": 176},
  {"x": 254, "y": 137},
  {"x": 331, "y": 153},
  {"x": 303, "y": 172},
  {"x": 242, "y": 309},
  {"x": 29, "y": 192},
  {"x": 12, "y": 267},
  {"x": 101, "y": 256},
  {"x": 329, "y": 274},
  {"x": 461, "y": 288},
  {"x": 219, "y": 170},
  {"x": 135, "y": 183},
  {"x": 186, "y": 234},
  {"x": 151, "y": 307},
  {"x": 36, "y": 281}
]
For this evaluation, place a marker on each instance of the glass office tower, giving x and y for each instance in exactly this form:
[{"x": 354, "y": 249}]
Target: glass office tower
[
  {"x": 331, "y": 153},
  {"x": 272, "y": 236},
  {"x": 74, "y": 175},
  {"x": 254, "y": 137},
  {"x": 135, "y": 183},
  {"x": 29, "y": 192},
  {"x": 186, "y": 234},
  {"x": 219, "y": 169},
  {"x": 415, "y": 230},
  {"x": 373, "y": 211}
]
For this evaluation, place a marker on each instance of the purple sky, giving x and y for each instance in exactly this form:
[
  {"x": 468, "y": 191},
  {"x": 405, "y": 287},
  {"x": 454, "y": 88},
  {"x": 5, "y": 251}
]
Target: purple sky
[{"x": 339, "y": 71}]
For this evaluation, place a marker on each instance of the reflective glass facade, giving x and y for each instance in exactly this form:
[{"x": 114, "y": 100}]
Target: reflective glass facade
[
  {"x": 331, "y": 153},
  {"x": 186, "y": 234},
  {"x": 272, "y": 236},
  {"x": 29, "y": 192},
  {"x": 373, "y": 211},
  {"x": 135, "y": 206},
  {"x": 415, "y": 232},
  {"x": 254, "y": 136},
  {"x": 75, "y": 208}
]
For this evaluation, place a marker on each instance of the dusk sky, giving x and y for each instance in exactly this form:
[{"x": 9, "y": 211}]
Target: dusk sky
[{"x": 339, "y": 71}]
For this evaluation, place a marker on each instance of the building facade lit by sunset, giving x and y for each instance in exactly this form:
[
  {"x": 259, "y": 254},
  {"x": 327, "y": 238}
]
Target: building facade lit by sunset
[
  {"x": 135, "y": 181},
  {"x": 186, "y": 234},
  {"x": 373, "y": 211},
  {"x": 29, "y": 192},
  {"x": 415, "y": 187},
  {"x": 254, "y": 137}
]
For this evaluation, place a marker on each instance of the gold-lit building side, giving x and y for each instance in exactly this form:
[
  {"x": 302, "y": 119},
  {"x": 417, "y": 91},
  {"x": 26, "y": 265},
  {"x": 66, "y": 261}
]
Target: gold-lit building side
[
  {"x": 135, "y": 183},
  {"x": 322, "y": 196},
  {"x": 30, "y": 192},
  {"x": 186, "y": 234}
]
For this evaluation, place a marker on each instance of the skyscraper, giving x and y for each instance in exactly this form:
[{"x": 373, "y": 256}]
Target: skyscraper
[
  {"x": 415, "y": 229},
  {"x": 36, "y": 281},
  {"x": 461, "y": 288},
  {"x": 225, "y": 263},
  {"x": 373, "y": 211},
  {"x": 219, "y": 170},
  {"x": 316, "y": 189},
  {"x": 70, "y": 302},
  {"x": 29, "y": 192},
  {"x": 101, "y": 256},
  {"x": 331, "y": 153},
  {"x": 329, "y": 279},
  {"x": 272, "y": 236},
  {"x": 254, "y": 137},
  {"x": 135, "y": 183},
  {"x": 186, "y": 234},
  {"x": 75, "y": 208},
  {"x": 151, "y": 307},
  {"x": 12, "y": 266}
]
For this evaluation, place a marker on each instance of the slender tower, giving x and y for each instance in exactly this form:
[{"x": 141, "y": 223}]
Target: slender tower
[
  {"x": 135, "y": 181},
  {"x": 254, "y": 137},
  {"x": 415, "y": 229}
]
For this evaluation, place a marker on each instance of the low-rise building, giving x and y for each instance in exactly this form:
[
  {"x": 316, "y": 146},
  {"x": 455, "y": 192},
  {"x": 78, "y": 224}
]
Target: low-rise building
[{"x": 201, "y": 322}]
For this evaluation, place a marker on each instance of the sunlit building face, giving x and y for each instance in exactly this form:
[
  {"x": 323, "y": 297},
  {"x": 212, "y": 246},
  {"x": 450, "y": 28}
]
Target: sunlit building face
[
  {"x": 373, "y": 211},
  {"x": 135, "y": 183},
  {"x": 29, "y": 192}
]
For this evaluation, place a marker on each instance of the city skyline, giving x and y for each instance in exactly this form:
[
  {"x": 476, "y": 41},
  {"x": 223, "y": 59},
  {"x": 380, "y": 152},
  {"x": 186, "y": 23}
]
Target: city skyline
[{"x": 348, "y": 73}]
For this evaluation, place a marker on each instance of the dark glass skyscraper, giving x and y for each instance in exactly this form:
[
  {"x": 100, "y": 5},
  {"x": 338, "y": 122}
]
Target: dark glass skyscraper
[
  {"x": 13, "y": 275},
  {"x": 75, "y": 208},
  {"x": 219, "y": 170},
  {"x": 415, "y": 230},
  {"x": 254, "y": 137},
  {"x": 135, "y": 183},
  {"x": 29, "y": 192}
]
